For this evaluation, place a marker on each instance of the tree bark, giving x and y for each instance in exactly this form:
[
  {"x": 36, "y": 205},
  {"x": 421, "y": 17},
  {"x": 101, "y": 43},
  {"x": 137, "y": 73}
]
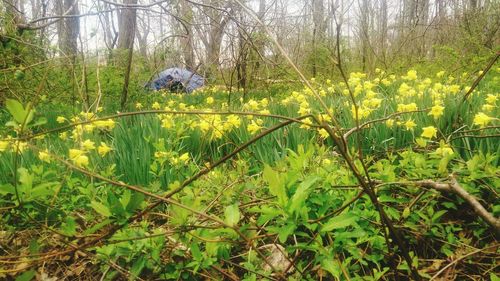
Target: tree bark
[
  {"x": 127, "y": 21},
  {"x": 69, "y": 44}
]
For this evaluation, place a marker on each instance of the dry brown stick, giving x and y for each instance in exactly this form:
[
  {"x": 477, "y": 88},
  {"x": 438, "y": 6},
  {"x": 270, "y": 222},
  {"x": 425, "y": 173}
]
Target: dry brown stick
[{"x": 454, "y": 187}]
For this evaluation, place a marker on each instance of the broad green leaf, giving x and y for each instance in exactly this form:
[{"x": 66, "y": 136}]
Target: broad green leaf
[
  {"x": 331, "y": 266},
  {"x": 26, "y": 182},
  {"x": 16, "y": 109},
  {"x": 301, "y": 194},
  {"x": 195, "y": 252},
  {"x": 339, "y": 221},
  {"x": 286, "y": 231},
  {"x": 100, "y": 208},
  {"x": 44, "y": 189},
  {"x": 7, "y": 189},
  {"x": 276, "y": 184},
  {"x": 232, "y": 215}
]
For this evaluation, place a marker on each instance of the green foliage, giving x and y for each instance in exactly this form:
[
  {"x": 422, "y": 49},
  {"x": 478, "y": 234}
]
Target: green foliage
[{"x": 288, "y": 194}]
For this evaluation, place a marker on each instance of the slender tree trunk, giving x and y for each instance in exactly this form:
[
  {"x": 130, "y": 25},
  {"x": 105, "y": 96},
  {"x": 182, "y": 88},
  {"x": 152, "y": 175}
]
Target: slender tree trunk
[
  {"x": 127, "y": 29},
  {"x": 127, "y": 26},
  {"x": 187, "y": 40}
]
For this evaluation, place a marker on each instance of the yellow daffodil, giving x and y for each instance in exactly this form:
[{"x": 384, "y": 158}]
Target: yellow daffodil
[
  {"x": 429, "y": 132},
  {"x": 210, "y": 100},
  {"x": 410, "y": 125},
  {"x": 63, "y": 135},
  {"x": 411, "y": 75},
  {"x": 323, "y": 133},
  {"x": 436, "y": 111},
  {"x": 306, "y": 123},
  {"x": 103, "y": 149},
  {"x": 407, "y": 107},
  {"x": 253, "y": 127},
  {"x": 252, "y": 105},
  {"x": 89, "y": 128},
  {"x": 44, "y": 156},
  {"x": 482, "y": 119},
  {"x": 184, "y": 158},
  {"x": 444, "y": 150},
  {"x": 491, "y": 99},
  {"x": 78, "y": 157},
  {"x": 60, "y": 119},
  {"x": 156, "y": 106},
  {"x": 389, "y": 123},
  {"x": 138, "y": 106},
  {"x": 488, "y": 107},
  {"x": 88, "y": 145}
]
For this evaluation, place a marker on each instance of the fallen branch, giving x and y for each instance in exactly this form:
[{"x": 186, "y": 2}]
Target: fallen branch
[{"x": 454, "y": 187}]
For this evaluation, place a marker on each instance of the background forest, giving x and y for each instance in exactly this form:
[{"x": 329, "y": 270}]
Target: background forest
[{"x": 334, "y": 140}]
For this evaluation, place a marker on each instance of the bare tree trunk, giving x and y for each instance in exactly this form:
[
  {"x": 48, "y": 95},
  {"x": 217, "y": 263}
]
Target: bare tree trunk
[
  {"x": 213, "y": 41},
  {"x": 127, "y": 29},
  {"x": 127, "y": 26},
  {"x": 187, "y": 40},
  {"x": 364, "y": 31},
  {"x": 68, "y": 29},
  {"x": 318, "y": 31},
  {"x": 383, "y": 29}
]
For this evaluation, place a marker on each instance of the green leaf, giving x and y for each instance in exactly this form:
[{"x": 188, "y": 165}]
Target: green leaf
[
  {"x": 276, "y": 184},
  {"x": 44, "y": 189},
  {"x": 69, "y": 226},
  {"x": 438, "y": 215},
  {"x": 301, "y": 194},
  {"x": 331, "y": 266},
  {"x": 26, "y": 183},
  {"x": 100, "y": 208},
  {"x": 195, "y": 252},
  {"x": 339, "y": 221},
  {"x": 26, "y": 276},
  {"x": 16, "y": 109},
  {"x": 232, "y": 215},
  {"x": 138, "y": 266},
  {"x": 7, "y": 189},
  {"x": 286, "y": 231}
]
